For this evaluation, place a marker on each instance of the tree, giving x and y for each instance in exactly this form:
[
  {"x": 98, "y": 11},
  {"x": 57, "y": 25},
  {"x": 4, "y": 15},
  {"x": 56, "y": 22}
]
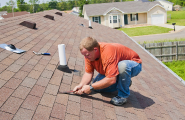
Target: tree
[
  {"x": 34, "y": 1},
  {"x": 182, "y": 2},
  {"x": 21, "y": 5},
  {"x": 53, "y": 4},
  {"x": 43, "y": 6},
  {"x": 10, "y": 3},
  {"x": 82, "y": 2},
  {"x": 7, "y": 8},
  {"x": 34, "y": 5},
  {"x": 70, "y": 5},
  {"x": 62, "y": 6}
]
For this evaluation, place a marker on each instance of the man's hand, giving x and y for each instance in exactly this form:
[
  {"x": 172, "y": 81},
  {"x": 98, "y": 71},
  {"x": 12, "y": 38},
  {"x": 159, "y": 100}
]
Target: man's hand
[
  {"x": 77, "y": 90},
  {"x": 86, "y": 89},
  {"x": 86, "y": 79}
]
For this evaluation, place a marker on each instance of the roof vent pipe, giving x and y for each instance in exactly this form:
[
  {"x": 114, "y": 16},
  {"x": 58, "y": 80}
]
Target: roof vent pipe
[
  {"x": 81, "y": 25},
  {"x": 62, "y": 57},
  {"x": 90, "y": 24}
]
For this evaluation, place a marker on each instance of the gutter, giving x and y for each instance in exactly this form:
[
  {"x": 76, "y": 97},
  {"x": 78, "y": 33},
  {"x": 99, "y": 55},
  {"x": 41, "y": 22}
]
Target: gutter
[{"x": 179, "y": 78}]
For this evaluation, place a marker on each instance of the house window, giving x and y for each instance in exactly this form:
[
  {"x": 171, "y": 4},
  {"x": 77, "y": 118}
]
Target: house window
[
  {"x": 114, "y": 19},
  {"x": 110, "y": 19},
  {"x": 119, "y": 18},
  {"x": 134, "y": 17},
  {"x": 96, "y": 19}
]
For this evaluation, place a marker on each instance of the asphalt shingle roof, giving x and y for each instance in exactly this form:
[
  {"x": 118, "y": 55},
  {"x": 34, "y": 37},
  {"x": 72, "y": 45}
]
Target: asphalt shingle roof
[
  {"x": 126, "y": 7},
  {"x": 29, "y": 83}
]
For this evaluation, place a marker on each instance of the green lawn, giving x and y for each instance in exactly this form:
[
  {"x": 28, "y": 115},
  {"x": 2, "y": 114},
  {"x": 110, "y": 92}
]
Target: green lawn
[
  {"x": 177, "y": 17},
  {"x": 178, "y": 67},
  {"x": 147, "y": 30}
]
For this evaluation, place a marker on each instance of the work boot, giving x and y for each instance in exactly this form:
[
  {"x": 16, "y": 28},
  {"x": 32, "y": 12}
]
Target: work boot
[{"x": 118, "y": 100}]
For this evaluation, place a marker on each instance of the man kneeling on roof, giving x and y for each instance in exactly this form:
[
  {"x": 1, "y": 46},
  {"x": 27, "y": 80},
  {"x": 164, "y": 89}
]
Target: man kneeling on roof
[{"x": 116, "y": 65}]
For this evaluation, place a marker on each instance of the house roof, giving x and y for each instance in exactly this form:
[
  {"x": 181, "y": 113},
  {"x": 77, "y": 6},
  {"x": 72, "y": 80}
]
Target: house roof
[
  {"x": 126, "y": 7},
  {"x": 29, "y": 83},
  {"x": 165, "y": 1},
  {"x": 74, "y": 13},
  {"x": 68, "y": 11},
  {"x": 142, "y": 0},
  {"x": 3, "y": 13},
  {"x": 76, "y": 9},
  {"x": 8, "y": 15}
]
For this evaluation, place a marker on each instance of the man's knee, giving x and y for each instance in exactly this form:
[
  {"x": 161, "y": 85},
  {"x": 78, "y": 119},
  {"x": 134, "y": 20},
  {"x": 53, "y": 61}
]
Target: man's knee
[
  {"x": 122, "y": 67},
  {"x": 98, "y": 78}
]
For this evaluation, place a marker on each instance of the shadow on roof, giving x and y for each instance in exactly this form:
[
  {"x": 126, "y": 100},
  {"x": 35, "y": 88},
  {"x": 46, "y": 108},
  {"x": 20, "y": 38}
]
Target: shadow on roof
[{"x": 135, "y": 100}]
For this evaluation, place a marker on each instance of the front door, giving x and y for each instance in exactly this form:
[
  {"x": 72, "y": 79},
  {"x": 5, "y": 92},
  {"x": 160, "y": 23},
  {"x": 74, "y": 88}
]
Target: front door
[{"x": 125, "y": 19}]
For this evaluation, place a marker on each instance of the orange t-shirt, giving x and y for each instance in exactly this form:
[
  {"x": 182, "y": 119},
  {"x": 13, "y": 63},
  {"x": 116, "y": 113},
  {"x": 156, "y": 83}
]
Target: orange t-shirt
[{"x": 110, "y": 55}]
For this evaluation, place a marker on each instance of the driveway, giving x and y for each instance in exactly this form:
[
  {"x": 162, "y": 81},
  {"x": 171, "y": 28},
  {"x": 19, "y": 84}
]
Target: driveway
[{"x": 178, "y": 33}]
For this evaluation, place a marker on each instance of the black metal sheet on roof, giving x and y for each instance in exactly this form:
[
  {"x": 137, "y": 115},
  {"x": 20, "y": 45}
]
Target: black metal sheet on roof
[
  {"x": 29, "y": 24},
  {"x": 59, "y": 13},
  {"x": 49, "y": 17}
]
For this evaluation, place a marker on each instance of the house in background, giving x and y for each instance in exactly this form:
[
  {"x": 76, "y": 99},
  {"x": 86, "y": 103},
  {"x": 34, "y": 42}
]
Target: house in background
[
  {"x": 119, "y": 14},
  {"x": 176, "y": 7},
  {"x": 75, "y": 11},
  {"x": 8, "y": 15},
  {"x": 166, "y": 4},
  {"x": 2, "y": 13}
]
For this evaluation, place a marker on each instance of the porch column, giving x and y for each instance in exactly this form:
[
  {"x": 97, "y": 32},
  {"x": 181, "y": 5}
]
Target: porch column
[
  {"x": 135, "y": 19},
  {"x": 112, "y": 21},
  {"x": 123, "y": 23},
  {"x": 105, "y": 22}
]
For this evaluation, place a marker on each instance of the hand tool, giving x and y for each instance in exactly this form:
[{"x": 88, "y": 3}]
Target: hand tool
[
  {"x": 66, "y": 92},
  {"x": 41, "y": 53}
]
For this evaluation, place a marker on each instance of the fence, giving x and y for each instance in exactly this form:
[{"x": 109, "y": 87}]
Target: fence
[
  {"x": 168, "y": 16},
  {"x": 167, "y": 51}
]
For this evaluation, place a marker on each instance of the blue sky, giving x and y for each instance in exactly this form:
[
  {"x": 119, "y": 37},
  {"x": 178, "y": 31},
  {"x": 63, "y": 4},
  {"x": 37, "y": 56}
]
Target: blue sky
[{"x": 3, "y": 2}]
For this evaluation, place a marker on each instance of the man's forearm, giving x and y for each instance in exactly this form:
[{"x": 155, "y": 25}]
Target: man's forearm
[
  {"x": 86, "y": 79},
  {"x": 104, "y": 83}
]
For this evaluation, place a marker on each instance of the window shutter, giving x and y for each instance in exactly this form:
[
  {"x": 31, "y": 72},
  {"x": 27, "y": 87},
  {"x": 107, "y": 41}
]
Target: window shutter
[
  {"x": 93, "y": 19},
  {"x": 130, "y": 17},
  {"x": 99, "y": 20},
  {"x": 137, "y": 16}
]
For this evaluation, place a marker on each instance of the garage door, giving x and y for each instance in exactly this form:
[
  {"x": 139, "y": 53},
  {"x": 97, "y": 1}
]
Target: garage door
[{"x": 157, "y": 19}]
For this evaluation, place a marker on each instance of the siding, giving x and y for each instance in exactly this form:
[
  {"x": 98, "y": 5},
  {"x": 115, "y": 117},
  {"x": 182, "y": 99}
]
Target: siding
[
  {"x": 156, "y": 10},
  {"x": 142, "y": 18}
]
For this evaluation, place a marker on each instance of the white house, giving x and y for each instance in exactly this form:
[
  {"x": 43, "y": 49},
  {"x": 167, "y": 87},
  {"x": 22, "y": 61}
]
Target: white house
[
  {"x": 119, "y": 14},
  {"x": 76, "y": 9},
  {"x": 166, "y": 4},
  {"x": 2, "y": 13}
]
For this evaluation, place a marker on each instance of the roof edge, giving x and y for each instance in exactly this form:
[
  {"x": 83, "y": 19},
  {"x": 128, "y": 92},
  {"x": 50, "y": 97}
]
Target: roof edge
[
  {"x": 166, "y": 1},
  {"x": 112, "y": 9},
  {"x": 155, "y": 6}
]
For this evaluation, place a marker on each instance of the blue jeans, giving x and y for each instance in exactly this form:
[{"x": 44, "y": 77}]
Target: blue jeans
[{"x": 127, "y": 70}]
